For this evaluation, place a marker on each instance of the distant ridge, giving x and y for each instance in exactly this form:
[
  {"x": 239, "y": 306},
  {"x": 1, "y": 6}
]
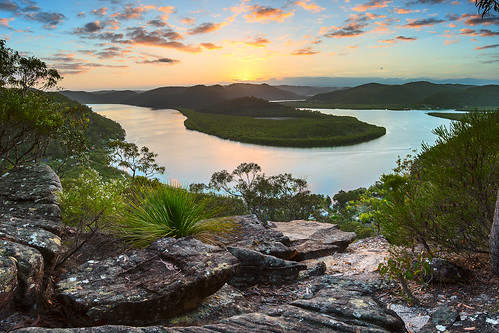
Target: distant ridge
[
  {"x": 412, "y": 95},
  {"x": 190, "y": 97}
]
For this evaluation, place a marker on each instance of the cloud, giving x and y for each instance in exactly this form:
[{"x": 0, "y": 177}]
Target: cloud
[
  {"x": 111, "y": 52},
  {"x": 408, "y": 39},
  {"x": 89, "y": 28},
  {"x": 4, "y": 22},
  {"x": 309, "y": 6},
  {"x": 8, "y": 6},
  {"x": 425, "y": 2},
  {"x": 99, "y": 12},
  {"x": 259, "y": 41},
  {"x": 188, "y": 20},
  {"x": 50, "y": 20},
  {"x": 481, "y": 32},
  {"x": 305, "y": 51},
  {"x": 161, "y": 38},
  {"x": 207, "y": 28},
  {"x": 167, "y": 61},
  {"x": 210, "y": 46},
  {"x": 417, "y": 24},
  {"x": 131, "y": 13},
  {"x": 354, "y": 27},
  {"x": 167, "y": 9},
  {"x": 157, "y": 23},
  {"x": 263, "y": 13},
  {"x": 473, "y": 20},
  {"x": 373, "y": 4},
  {"x": 67, "y": 64},
  {"x": 486, "y": 47},
  {"x": 404, "y": 11}
]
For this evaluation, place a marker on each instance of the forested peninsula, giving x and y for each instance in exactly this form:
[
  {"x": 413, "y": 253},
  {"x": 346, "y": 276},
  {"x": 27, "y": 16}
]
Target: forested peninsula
[{"x": 253, "y": 120}]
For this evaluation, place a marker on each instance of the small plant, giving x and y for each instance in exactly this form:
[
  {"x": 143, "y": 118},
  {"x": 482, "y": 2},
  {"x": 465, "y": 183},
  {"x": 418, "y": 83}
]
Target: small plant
[
  {"x": 403, "y": 267},
  {"x": 167, "y": 211}
]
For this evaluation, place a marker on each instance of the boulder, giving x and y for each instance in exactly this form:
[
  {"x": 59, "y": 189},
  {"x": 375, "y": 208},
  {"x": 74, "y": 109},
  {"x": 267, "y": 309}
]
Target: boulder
[
  {"x": 258, "y": 268},
  {"x": 29, "y": 272},
  {"x": 337, "y": 306},
  {"x": 312, "y": 239},
  {"x": 8, "y": 282},
  {"x": 145, "y": 287},
  {"x": 445, "y": 271},
  {"x": 30, "y": 191}
]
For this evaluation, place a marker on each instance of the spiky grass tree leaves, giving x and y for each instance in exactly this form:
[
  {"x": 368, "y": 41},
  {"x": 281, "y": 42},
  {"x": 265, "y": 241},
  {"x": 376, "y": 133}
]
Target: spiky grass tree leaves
[{"x": 168, "y": 211}]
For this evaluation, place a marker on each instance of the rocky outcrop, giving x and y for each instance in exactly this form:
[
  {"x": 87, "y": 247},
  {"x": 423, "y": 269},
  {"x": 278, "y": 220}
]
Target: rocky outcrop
[
  {"x": 337, "y": 305},
  {"x": 169, "y": 277},
  {"x": 312, "y": 239},
  {"x": 258, "y": 268},
  {"x": 30, "y": 227}
]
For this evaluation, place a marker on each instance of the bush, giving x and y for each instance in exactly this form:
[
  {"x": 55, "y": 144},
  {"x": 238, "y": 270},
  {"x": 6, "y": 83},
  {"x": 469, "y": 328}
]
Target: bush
[{"x": 167, "y": 211}]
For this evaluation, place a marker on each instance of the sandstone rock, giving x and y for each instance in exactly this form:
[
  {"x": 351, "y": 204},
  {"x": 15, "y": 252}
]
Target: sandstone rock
[
  {"x": 311, "y": 239},
  {"x": 30, "y": 191},
  {"x": 337, "y": 306},
  {"x": 442, "y": 319},
  {"x": 225, "y": 303},
  {"x": 8, "y": 282},
  {"x": 24, "y": 232},
  {"x": 29, "y": 264},
  {"x": 258, "y": 268},
  {"x": 144, "y": 287}
]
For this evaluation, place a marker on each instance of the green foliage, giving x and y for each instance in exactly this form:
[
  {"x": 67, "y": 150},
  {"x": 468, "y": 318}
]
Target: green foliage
[
  {"x": 312, "y": 129},
  {"x": 445, "y": 198},
  {"x": 403, "y": 267},
  {"x": 127, "y": 155},
  {"x": 276, "y": 198},
  {"x": 88, "y": 200},
  {"x": 167, "y": 211}
]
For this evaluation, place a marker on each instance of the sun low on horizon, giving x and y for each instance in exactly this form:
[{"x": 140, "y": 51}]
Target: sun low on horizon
[{"x": 115, "y": 44}]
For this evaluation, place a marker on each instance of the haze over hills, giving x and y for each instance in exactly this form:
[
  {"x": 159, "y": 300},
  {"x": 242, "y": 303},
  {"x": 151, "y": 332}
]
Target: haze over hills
[
  {"x": 190, "y": 97},
  {"x": 412, "y": 95}
]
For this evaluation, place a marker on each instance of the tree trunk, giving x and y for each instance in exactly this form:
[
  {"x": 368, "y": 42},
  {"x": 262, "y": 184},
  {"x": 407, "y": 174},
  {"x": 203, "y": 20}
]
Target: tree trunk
[{"x": 494, "y": 240}]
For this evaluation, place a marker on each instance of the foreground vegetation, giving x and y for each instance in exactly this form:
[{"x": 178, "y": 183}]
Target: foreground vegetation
[{"x": 251, "y": 120}]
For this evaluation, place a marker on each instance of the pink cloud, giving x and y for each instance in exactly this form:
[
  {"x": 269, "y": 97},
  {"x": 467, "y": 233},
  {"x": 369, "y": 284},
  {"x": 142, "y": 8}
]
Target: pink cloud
[
  {"x": 309, "y": 6},
  {"x": 262, "y": 13},
  {"x": 373, "y": 4},
  {"x": 304, "y": 51}
]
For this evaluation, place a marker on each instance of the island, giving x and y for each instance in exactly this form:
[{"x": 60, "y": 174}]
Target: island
[{"x": 257, "y": 121}]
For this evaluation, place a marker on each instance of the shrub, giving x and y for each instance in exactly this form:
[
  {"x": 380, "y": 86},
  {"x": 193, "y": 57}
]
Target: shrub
[{"x": 166, "y": 211}]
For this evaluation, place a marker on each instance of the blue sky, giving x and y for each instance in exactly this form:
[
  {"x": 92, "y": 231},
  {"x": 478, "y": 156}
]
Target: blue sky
[{"x": 101, "y": 44}]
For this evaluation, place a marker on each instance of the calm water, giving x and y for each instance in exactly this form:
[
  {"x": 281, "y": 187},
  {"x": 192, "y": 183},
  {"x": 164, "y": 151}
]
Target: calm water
[{"x": 192, "y": 157}]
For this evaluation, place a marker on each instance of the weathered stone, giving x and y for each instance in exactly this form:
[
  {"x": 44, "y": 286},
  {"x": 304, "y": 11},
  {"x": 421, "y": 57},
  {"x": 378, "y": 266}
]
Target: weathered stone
[
  {"x": 166, "y": 279},
  {"x": 30, "y": 191},
  {"x": 256, "y": 231},
  {"x": 225, "y": 303},
  {"x": 313, "y": 239},
  {"x": 25, "y": 232},
  {"x": 318, "y": 269},
  {"x": 445, "y": 271},
  {"x": 258, "y": 268},
  {"x": 441, "y": 320},
  {"x": 29, "y": 263},
  {"x": 8, "y": 282}
]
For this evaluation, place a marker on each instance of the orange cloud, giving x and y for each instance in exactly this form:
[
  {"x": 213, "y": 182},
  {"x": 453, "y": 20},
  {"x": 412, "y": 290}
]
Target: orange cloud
[
  {"x": 167, "y": 9},
  {"x": 305, "y": 51},
  {"x": 404, "y": 11},
  {"x": 210, "y": 46},
  {"x": 188, "y": 20},
  {"x": 373, "y": 4},
  {"x": 309, "y": 6},
  {"x": 130, "y": 13},
  {"x": 5, "y": 22},
  {"x": 100, "y": 12},
  {"x": 263, "y": 13},
  {"x": 259, "y": 41},
  {"x": 207, "y": 28}
]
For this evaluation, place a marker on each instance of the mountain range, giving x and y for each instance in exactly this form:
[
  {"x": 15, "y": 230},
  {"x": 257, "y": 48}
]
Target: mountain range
[{"x": 412, "y": 95}]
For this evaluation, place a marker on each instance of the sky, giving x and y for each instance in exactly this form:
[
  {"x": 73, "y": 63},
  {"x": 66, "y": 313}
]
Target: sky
[{"x": 120, "y": 44}]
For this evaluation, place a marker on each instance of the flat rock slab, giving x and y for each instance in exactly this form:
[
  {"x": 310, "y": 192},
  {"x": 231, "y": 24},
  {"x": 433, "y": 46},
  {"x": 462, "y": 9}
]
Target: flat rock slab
[
  {"x": 337, "y": 306},
  {"x": 168, "y": 278},
  {"x": 312, "y": 239}
]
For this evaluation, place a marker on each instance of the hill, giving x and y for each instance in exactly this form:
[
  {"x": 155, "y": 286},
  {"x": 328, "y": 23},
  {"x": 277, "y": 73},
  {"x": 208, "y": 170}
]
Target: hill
[
  {"x": 414, "y": 95},
  {"x": 253, "y": 120},
  {"x": 189, "y": 97}
]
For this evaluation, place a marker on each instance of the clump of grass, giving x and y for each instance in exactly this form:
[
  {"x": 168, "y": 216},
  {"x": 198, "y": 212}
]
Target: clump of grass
[{"x": 168, "y": 211}]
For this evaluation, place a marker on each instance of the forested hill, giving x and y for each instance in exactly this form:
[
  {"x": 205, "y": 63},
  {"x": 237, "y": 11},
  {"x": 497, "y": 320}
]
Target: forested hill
[
  {"x": 189, "y": 97},
  {"x": 414, "y": 95}
]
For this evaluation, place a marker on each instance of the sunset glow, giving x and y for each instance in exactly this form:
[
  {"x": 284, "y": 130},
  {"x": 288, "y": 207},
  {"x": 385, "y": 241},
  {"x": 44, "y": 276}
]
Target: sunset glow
[{"x": 115, "y": 44}]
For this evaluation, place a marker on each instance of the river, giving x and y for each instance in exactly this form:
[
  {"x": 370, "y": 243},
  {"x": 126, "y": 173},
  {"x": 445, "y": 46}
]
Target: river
[{"x": 192, "y": 157}]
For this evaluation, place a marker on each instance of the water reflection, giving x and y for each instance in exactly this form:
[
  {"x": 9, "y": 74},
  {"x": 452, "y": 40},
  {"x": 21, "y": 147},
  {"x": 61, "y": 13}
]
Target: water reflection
[{"x": 192, "y": 157}]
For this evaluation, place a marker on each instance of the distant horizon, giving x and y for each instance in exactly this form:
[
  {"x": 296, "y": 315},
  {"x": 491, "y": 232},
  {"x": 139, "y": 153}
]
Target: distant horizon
[{"x": 320, "y": 82}]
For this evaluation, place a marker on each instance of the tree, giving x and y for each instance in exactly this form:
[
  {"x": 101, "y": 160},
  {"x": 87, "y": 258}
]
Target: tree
[
  {"x": 485, "y": 6},
  {"x": 276, "y": 198},
  {"x": 127, "y": 155},
  {"x": 29, "y": 119}
]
